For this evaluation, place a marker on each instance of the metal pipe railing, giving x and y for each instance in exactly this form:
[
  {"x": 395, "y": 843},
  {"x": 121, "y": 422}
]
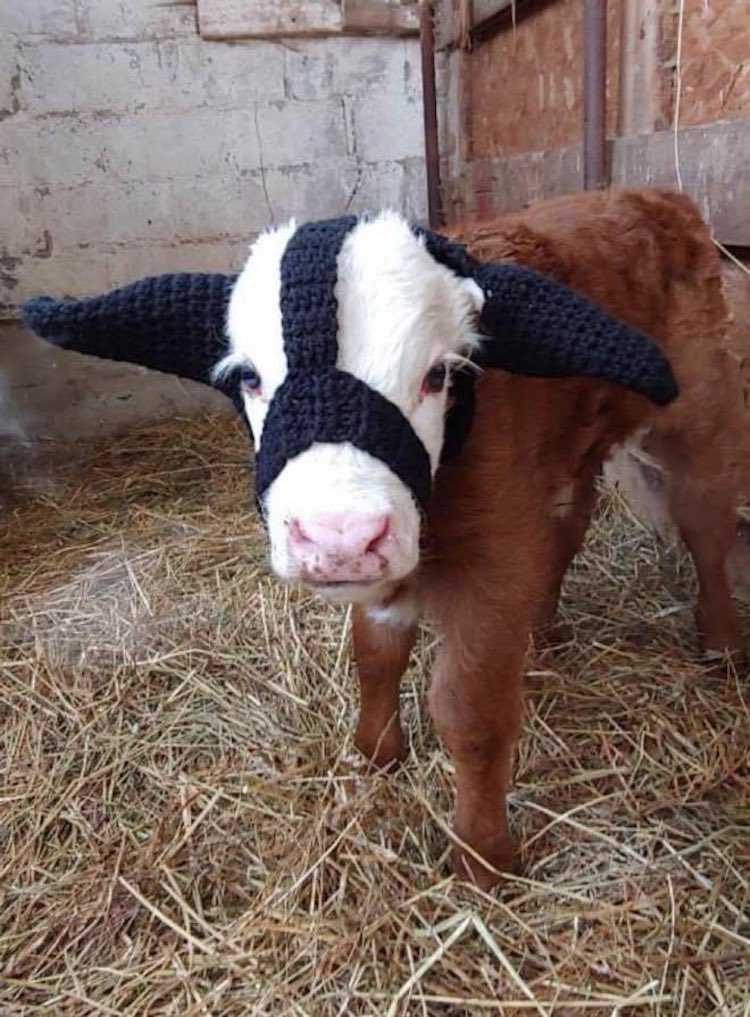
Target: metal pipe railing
[
  {"x": 429, "y": 106},
  {"x": 594, "y": 95}
]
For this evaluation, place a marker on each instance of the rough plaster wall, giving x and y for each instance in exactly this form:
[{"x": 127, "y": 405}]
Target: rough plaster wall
[
  {"x": 129, "y": 145},
  {"x": 50, "y": 397}
]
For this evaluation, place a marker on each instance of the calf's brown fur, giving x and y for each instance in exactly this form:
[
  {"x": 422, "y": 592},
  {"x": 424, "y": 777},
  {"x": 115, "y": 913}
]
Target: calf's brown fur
[{"x": 508, "y": 516}]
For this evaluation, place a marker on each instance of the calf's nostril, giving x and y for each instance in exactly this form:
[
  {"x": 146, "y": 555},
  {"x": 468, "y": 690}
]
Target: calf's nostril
[
  {"x": 384, "y": 532},
  {"x": 341, "y": 538},
  {"x": 297, "y": 533}
]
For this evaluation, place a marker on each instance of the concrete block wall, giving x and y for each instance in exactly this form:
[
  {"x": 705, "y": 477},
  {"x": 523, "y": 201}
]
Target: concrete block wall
[{"x": 130, "y": 145}]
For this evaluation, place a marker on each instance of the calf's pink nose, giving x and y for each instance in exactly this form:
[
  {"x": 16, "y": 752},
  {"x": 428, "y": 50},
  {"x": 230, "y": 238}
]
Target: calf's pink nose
[{"x": 340, "y": 536}]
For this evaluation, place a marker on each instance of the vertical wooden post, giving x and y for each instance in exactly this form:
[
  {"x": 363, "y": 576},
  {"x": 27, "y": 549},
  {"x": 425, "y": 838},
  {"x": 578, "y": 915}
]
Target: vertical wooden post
[{"x": 639, "y": 107}]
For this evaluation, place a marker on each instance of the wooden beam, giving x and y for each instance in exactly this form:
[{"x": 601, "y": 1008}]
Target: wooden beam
[
  {"x": 714, "y": 164},
  {"x": 366, "y": 17},
  {"x": 430, "y": 115},
  {"x": 260, "y": 19},
  {"x": 485, "y": 18},
  {"x": 640, "y": 69},
  {"x": 452, "y": 14},
  {"x": 268, "y": 19}
]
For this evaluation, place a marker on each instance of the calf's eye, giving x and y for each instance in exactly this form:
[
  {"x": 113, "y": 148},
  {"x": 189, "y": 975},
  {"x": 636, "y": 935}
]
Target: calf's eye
[
  {"x": 434, "y": 380},
  {"x": 250, "y": 378}
]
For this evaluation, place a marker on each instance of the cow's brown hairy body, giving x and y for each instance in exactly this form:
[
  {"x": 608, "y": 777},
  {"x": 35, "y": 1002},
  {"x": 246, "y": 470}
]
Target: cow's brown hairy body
[{"x": 508, "y": 516}]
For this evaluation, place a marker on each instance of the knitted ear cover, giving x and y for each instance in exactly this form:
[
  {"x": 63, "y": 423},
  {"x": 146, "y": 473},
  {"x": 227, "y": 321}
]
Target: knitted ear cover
[
  {"x": 317, "y": 402},
  {"x": 536, "y": 326},
  {"x": 172, "y": 323}
]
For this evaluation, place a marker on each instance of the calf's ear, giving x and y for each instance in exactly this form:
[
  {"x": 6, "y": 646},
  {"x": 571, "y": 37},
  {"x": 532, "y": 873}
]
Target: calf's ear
[
  {"x": 538, "y": 327},
  {"x": 173, "y": 323}
]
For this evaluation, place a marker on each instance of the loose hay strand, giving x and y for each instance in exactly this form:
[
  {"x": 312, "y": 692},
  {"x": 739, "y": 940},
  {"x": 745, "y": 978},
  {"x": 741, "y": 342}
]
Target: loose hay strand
[{"x": 186, "y": 829}]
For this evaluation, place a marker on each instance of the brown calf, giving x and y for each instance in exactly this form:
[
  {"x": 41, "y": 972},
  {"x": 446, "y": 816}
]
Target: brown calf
[{"x": 508, "y": 516}]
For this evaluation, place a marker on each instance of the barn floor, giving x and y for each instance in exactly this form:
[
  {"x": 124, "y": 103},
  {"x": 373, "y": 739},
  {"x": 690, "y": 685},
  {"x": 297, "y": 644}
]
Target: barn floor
[{"x": 185, "y": 829}]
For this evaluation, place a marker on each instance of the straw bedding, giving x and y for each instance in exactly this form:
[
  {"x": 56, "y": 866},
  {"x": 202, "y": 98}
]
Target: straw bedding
[{"x": 185, "y": 828}]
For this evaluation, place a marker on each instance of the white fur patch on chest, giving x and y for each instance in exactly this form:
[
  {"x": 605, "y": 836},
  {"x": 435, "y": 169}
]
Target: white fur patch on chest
[{"x": 399, "y": 614}]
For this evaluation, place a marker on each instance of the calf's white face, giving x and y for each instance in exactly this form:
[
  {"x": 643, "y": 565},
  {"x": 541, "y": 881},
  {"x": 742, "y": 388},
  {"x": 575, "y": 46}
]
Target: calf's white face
[{"x": 338, "y": 518}]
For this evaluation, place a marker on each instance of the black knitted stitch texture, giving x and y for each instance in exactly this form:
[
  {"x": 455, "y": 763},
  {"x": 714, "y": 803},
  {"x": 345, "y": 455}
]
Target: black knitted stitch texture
[
  {"x": 309, "y": 308},
  {"x": 543, "y": 329},
  {"x": 317, "y": 402},
  {"x": 334, "y": 406},
  {"x": 173, "y": 323},
  {"x": 538, "y": 327}
]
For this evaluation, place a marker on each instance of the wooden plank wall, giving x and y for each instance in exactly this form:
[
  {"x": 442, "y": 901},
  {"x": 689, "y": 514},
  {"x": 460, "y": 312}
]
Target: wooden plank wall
[{"x": 511, "y": 122}]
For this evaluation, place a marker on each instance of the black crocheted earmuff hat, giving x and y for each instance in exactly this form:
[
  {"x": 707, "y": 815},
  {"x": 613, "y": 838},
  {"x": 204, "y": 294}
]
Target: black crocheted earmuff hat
[{"x": 175, "y": 323}]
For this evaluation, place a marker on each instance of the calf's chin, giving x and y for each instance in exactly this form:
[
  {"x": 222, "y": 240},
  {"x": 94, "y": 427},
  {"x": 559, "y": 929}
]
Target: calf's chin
[
  {"x": 345, "y": 484},
  {"x": 371, "y": 596}
]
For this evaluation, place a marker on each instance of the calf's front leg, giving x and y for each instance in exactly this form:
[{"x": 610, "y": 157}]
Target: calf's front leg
[
  {"x": 476, "y": 704},
  {"x": 381, "y": 652}
]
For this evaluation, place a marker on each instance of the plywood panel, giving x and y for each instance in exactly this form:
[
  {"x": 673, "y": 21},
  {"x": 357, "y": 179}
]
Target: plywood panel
[
  {"x": 525, "y": 86},
  {"x": 514, "y": 126},
  {"x": 715, "y": 61}
]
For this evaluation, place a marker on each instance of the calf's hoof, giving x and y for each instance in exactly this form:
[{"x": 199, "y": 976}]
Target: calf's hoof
[
  {"x": 383, "y": 752},
  {"x": 720, "y": 661},
  {"x": 468, "y": 867},
  {"x": 720, "y": 640}
]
